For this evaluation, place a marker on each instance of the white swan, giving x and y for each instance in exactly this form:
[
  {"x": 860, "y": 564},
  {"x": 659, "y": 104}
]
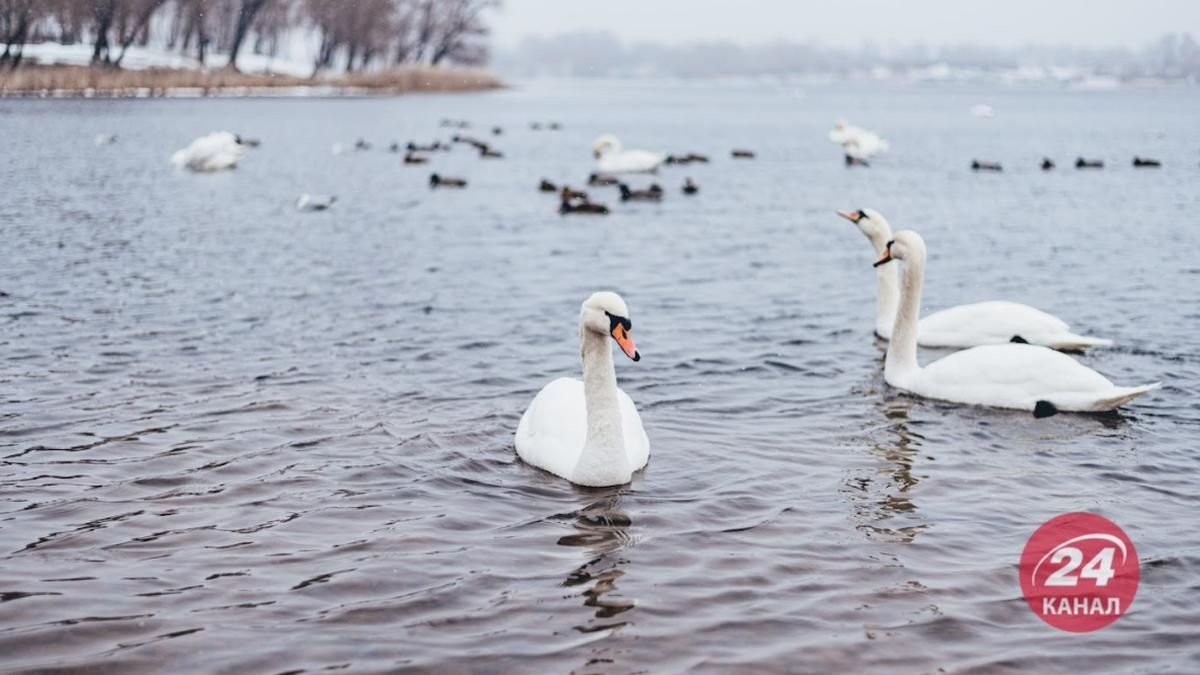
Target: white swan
[
  {"x": 980, "y": 323},
  {"x": 611, "y": 159},
  {"x": 857, "y": 142},
  {"x": 215, "y": 152},
  {"x": 589, "y": 432},
  {"x": 1017, "y": 376}
]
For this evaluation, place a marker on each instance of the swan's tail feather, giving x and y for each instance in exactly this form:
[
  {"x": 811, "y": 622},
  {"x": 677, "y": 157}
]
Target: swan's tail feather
[
  {"x": 1123, "y": 395},
  {"x": 1074, "y": 343}
]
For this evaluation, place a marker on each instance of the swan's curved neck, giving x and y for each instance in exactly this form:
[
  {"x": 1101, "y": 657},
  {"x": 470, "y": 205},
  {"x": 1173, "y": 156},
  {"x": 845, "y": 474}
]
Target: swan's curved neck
[
  {"x": 901, "y": 358},
  {"x": 887, "y": 298},
  {"x": 603, "y": 459}
]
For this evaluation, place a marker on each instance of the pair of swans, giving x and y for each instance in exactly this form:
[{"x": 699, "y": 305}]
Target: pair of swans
[
  {"x": 590, "y": 432},
  {"x": 217, "y": 151}
]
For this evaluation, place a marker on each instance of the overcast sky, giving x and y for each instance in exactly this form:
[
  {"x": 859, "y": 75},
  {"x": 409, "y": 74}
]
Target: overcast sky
[{"x": 993, "y": 22}]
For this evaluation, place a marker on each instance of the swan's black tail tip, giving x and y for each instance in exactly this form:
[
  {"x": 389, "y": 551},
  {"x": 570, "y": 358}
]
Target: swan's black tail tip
[{"x": 1044, "y": 409}]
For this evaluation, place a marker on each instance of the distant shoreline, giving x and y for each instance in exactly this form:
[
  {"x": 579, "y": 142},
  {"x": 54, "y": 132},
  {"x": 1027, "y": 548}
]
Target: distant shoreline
[{"x": 63, "y": 81}]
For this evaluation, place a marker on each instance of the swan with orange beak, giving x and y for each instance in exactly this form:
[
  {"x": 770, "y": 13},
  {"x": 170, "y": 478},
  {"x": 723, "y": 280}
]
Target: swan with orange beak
[{"x": 589, "y": 431}]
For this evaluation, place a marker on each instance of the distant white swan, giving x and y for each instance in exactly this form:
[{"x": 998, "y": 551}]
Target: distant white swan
[
  {"x": 611, "y": 159},
  {"x": 980, "y": 323},
  {"x": 217, "y": 151},
  {"x": 1016, "y": 376},
  {"x": 308, "y": 202},
  {"x": 857, "y": 142},
  {"x": 589, "y": 432}
]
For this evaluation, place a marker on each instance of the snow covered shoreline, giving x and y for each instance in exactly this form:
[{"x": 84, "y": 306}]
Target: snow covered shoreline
[{"x": 52, "y": 70}]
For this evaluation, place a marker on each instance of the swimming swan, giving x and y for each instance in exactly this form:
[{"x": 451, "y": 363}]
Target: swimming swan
[
  {"x": 980, "y": 323},
  {"x": 1017, "y": 376},
  {"x": 856, "y": 142},
  {"x": 589, "y": 432},
  {"x": 215, "y": 152},
  {"x": 611, "y": 159}
]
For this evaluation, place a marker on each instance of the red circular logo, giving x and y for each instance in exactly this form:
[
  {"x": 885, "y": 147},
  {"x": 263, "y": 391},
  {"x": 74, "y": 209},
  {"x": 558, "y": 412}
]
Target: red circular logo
[{"x": 1079, "y": 572}]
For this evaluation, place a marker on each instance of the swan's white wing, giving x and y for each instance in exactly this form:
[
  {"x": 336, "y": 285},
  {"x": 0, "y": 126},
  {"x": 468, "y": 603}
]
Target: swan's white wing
[
  {"x": 1018, "y": 376},
  {"x": 637, "y": 444},
  {"x": 983, "y": 323},
  {"x": 997, "y": 322},
  {"x": 629, "y": 161},
  {"x": 554, "y": 427}
]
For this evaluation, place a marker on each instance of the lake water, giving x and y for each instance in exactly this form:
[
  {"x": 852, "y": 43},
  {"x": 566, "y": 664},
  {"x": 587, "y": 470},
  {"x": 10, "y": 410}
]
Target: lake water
[{"x": 237, "y": 438}]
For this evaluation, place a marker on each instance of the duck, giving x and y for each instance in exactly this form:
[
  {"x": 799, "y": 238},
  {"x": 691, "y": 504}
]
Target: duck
[
  {"x": 436, "y": 181},
  {"x": 970, "y": 325},
  {"x": 856, "y": 161},
  {"x": 1144, "y": 162},
  {"x": 1013, "y": 376},
  {"x": 308, "y": 202},
  {"x": 394, "y": 147},
  {"x": 589, "y": 431},
  {"x": 455, "y": 124},
  {"x": 689, "y": 187},
  {"x": 488, "y": 152},
  {"x": 361, "y": 145},
  {"x": 689, "y": 158},
  {"x": 742, "y": 154},
  {"x": 431, "y": 147},
  {"x": 475, "y": 142},
  {"x": 554, "y": 126},
  {"x": 1081, "y": 163},
  {"x": 612, "y": 159},
  {"x": 249, "y": 142},
  {"x": 567, "y": 206},
  {"x": 601, "y": 180},
  {"x": 413, "y": 158},
  {"x": 654, "y": 193},
  {"x": 977, "y": 165},
  {"x": 535, "y": 126},
  {"x": 857, "y": 142},
  {"x": 496, "y": 131},
  {"x": 1047, "y": 164},
  {"x": 567, "y": 193},
  {"x": 547, "y": 186},
  {"x": 218, "y": 151}
]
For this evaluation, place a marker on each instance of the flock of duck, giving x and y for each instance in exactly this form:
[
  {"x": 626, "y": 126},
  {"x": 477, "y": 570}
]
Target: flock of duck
[{"x": 589, "y": 431}]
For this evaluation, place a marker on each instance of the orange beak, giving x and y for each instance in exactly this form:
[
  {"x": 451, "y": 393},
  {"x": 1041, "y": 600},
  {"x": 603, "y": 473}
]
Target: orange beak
[
  {"x": 886, "y": 257},
  {"x": 851, "y": 216},
  {"x": 626, "y": 343}
]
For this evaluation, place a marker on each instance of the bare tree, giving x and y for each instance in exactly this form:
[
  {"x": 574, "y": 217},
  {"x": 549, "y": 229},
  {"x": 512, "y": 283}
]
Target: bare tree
[
  {"x": 245, "y": 18},
  {"x": 16, "y": 19},
  {"x": 136, "y": 24},
  {"x": 458, "y": 29}
]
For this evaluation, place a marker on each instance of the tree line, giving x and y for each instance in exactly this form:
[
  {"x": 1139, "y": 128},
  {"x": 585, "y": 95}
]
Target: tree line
[{"x": 352, "y": 34}]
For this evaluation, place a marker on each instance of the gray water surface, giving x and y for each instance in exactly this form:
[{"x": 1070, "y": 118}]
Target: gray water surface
[{"x": 237, "y": 438}]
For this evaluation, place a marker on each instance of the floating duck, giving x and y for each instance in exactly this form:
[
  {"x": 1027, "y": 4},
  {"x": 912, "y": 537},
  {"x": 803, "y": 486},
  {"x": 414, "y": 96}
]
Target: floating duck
[
  {"x": 413, "y": 158},
  {"x": 1081, "y": 163},
  {"x": 361, "y": 144},
  {"x": 689, "y": 187},
  {"x": 856, "y": 161},
  {"x": 654, "y": 193},
  {"x": 600, "y": 180},
  {"x": 567, "y": 193},
  {"x": 547, "y": 186},
  {"x": 488, "y": 152},
  {"x": 436, "y": 181},
  {"x": 1146, "y": 162},
  {"x": 1047, "y": 164},
  {"x": 977, "y": 165},
  {"x": 565, "y": 207},
  {"x": 743, "y": 154}
]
